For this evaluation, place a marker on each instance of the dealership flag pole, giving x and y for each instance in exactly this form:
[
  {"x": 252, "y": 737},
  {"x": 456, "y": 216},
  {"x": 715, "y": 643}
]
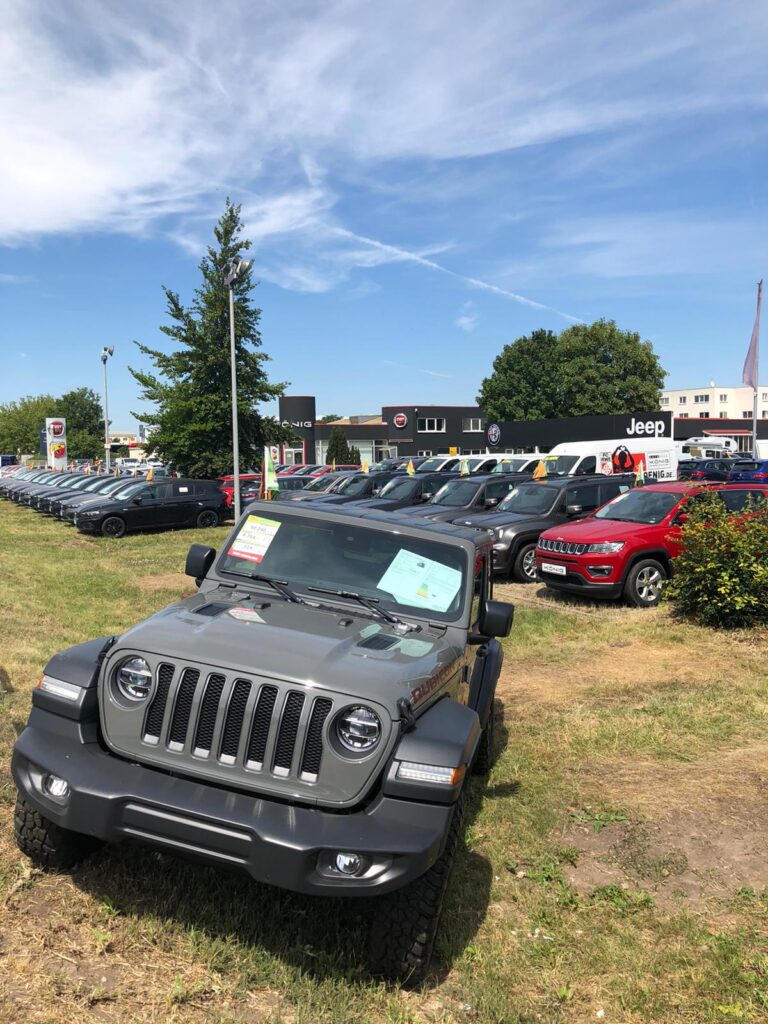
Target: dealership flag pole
[{"x": 749, "y": 375}]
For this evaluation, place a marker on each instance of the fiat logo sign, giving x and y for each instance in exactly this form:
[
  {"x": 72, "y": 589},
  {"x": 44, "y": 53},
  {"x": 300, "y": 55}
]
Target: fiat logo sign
[
  {"x": 57, "y": 428},
  {"x": 400, "y": 420},
  {"x": 493, "y": 434}
]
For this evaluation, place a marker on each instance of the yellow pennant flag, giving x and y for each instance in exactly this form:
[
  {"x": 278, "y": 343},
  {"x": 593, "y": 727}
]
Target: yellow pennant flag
[
  {"x": 116, "y": 474},
  {"x": 464, "y": 468},
  {"x": 640, "y": 475},
  {"x": 365, "y": 465},
  {"x": 333, "y": 466},
  {"x": 151, "y": 475},
  {"x": 540, "y": 473},
  {"x": 88, "y": 469},
  {"x": 410, "y": 468}
]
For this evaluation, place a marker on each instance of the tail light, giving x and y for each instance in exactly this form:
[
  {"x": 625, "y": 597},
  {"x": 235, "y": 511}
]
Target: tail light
[
  {"x": 760, "y": 476},
  {"x": 697, "y": 475}
]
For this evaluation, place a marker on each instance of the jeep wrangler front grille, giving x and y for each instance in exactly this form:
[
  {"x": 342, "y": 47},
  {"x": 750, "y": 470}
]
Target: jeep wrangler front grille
[{"x": 262, "y": 728}]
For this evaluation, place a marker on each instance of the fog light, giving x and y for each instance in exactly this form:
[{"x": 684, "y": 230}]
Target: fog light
[
  {"x": 348, "y": 863},
  {"x": 600, "y": 570},
  {"x": 56, "y": 787}
]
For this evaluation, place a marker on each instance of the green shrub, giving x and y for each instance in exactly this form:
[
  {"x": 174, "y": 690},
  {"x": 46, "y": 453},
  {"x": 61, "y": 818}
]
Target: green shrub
[{"x": 721, "y": 572}]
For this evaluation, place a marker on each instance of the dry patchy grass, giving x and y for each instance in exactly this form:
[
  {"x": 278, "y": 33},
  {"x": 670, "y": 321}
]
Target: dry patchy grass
[{"x": 614, "y": 861}]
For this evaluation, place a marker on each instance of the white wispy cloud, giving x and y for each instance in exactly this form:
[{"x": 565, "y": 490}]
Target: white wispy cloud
[
  {"x": 14, "y": 278},
  {"x": 140, "y": 117},
  {"x": 467, "y": 318},
  {"x": 416, "y": 369}
]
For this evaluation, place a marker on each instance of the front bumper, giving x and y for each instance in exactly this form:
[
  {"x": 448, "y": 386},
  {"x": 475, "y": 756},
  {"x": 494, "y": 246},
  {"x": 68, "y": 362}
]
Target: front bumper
[
  {"x": 575, "y": 580},
  {"x": 277, "y": 843}
]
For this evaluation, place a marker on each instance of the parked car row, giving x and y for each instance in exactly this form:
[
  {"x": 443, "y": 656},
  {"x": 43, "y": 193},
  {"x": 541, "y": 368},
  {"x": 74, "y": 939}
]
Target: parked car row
[
  {"x": 112, "y": 506},
  {"x": 735, "y": 470}
]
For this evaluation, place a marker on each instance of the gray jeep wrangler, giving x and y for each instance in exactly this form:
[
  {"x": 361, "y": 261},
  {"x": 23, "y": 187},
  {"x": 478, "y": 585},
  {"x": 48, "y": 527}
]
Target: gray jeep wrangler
[{"x": 309, "y": 716}]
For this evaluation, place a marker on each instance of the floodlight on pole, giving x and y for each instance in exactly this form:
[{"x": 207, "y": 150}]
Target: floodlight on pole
[
  {"x": 105, "y": 354},
  {"x": 235, "y": 269}
]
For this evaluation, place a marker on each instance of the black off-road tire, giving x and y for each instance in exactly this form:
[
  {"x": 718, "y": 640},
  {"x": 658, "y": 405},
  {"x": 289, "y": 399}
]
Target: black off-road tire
[
  {"x": 207, "y": 518},
  {"x": 113, "y": 526},
  {"x": 485, "y": 749},
  {"x": 404, "y": 924},
  {"x": 524, "y": 567},
  {"x": 48, "y": 845},
  {"x": 645, "y": 582}
]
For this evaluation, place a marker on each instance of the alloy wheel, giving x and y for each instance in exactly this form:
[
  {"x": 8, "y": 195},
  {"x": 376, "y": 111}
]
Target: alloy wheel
[{"x": 649, "y": 583}]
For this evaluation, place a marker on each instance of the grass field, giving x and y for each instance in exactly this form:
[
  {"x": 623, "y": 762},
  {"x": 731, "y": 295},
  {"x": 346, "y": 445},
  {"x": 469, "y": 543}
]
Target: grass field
[{"x": 615, "y": 865}]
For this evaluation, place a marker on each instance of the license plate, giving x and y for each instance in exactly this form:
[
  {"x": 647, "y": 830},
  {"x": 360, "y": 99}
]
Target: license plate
[{"x": 557, "y": 570}]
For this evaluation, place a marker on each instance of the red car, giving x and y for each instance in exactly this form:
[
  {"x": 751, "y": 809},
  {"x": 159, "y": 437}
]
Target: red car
[{"x": 625, "y": 549}]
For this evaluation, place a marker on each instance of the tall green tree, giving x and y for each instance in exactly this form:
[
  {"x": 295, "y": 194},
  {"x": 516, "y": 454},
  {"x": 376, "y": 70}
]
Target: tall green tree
[
  {"x": 190, "y": 386},
  {"x": 22, "y": 421},
  {"x": 587, "y": 370},
  {"x": 338, "y": 449},
  {"x": 83, "y": 412}
]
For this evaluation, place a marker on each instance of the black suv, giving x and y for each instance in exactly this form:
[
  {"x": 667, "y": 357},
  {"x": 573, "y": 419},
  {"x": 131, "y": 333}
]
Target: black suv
[
  {"x": 145, "y": 506},
  {"x": 534, "y": 506},
  {"x": 405, "y": 491},
  {"x": 464, "y": 495}
]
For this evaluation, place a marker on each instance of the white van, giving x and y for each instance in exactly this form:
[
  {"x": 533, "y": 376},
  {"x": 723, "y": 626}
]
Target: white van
[{"x": 658, "y": 457}]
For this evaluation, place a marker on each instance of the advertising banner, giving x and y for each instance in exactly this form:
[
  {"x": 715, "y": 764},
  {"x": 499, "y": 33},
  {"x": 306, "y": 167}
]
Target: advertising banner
[{"x": 56, "y": 442}]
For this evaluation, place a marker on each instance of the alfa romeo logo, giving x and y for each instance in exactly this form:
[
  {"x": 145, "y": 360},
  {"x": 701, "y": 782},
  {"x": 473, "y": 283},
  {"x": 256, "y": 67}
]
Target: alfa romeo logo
[
  {"x": 400, "y": 420},
  {"x": 493, "y": 434}
]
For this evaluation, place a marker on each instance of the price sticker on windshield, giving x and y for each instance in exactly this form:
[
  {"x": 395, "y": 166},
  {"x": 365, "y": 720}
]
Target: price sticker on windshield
[{"x": 254, "y": 539}]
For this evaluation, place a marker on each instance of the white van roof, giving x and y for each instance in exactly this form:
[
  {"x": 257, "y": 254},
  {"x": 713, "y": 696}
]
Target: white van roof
[{"x": 609, "y": 444}]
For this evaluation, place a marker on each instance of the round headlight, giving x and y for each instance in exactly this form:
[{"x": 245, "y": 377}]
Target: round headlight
[
  {"x": 134, "y": 679},
  {"x": 358, "y": 729}
]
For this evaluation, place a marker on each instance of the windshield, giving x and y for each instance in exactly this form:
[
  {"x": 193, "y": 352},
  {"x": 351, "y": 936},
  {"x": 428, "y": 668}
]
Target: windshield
[
  {"x": 130, "y": 490},
  {"x": 403, "y": 573},
  {"x": 455, "y": 493},
  {"x": 399, "y": 488},
  {"x": 528, "y": 499},
  {"x": 511, "y": 466},
  {"x": 321, "y": 484},
  {"x": 559, "y": 465},
  {"x": 746, "y": 467},
  {"x": 640, "y": 506},
  {"x": 357, "y": 485}
]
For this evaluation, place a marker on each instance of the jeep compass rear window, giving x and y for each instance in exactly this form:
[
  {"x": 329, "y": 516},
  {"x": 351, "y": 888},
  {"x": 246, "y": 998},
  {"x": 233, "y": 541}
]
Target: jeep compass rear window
[{"x": 399, "y": 572}]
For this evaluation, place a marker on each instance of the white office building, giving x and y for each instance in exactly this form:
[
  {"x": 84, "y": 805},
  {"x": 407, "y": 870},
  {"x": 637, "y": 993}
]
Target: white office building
[{"x": 715, "y": 403}]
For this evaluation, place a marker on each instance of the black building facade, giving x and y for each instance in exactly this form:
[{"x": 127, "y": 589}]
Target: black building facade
[{"x": 464, "y": 430}]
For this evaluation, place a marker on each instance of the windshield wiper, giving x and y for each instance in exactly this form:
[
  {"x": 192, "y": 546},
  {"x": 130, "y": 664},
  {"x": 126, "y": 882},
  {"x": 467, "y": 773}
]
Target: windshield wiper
[
  {"x": 371, "y": 603},
  {"x": 281, "y": 586}
]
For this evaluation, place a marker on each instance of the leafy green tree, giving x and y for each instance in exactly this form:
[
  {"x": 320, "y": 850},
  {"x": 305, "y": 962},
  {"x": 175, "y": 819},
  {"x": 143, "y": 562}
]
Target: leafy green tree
[
  {"x": 338, "y": 449},
  {"x": 354, "y": 456},
  {"x": 330, "y": 417},
  {"x": 587, "y": 370},
  {"x": 22, "y": 421},
  {"x": 190, "y": 386},
  {"x": 83, "y": 412}
]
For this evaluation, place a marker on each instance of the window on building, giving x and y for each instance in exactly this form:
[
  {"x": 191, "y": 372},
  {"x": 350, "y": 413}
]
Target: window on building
[
  {"x": 703, "y": 415},
  {"x": 723, "y": 415},
  {"x": 665, "y": 400},
  {"x": 764, "y": 414},
  {"x": 764, "y": 397},
  {"x": 431, "y": 425},
  {"x": 699, "y": 399},
  {"x": 683, "y": 416},
  {"x": 424, "y": 452},
  {"x": 747, "y": 414},
  {"x": 473, "y": 424},
  {"x": 723, "y": 398},
  {"x": 682, "y": 399}
]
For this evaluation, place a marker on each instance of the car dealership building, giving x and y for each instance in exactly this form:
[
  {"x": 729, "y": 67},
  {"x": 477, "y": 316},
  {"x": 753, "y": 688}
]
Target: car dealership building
[{"x": 464, "y": 430}]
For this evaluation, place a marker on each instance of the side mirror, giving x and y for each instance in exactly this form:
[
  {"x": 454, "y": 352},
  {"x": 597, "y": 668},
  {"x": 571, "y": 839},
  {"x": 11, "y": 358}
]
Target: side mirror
[
  {"x": 199, "y": 561},
  {"x": 574, "y": 510},
  {"x": 492, "y": 502},
  {"x": 681, "y": 518},
  {"x": 496, "y": 618},
  {"x": 137, "y": 501}
]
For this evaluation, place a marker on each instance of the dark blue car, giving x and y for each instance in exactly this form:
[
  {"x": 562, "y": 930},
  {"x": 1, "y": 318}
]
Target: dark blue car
[{"x": 747, "y": 470}]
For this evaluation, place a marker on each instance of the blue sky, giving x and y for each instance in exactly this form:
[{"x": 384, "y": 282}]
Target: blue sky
[{"x": 423, "y": 182}]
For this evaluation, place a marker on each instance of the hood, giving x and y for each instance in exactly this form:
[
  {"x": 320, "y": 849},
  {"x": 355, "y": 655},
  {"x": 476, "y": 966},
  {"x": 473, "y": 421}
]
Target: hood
[
  {"x": 494, "y": 520},
  {"x": 590, "y": 531},
  {"x": 318, "y": 647}
]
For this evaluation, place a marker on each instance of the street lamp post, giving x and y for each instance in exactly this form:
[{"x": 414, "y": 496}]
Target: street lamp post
[
  {"x": 105, "y": 354},
  {"x": 233, "y": 271}
]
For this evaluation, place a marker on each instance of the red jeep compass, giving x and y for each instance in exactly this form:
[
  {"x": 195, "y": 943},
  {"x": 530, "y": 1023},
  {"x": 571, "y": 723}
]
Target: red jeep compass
[{"x": 626, "y": 547}]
